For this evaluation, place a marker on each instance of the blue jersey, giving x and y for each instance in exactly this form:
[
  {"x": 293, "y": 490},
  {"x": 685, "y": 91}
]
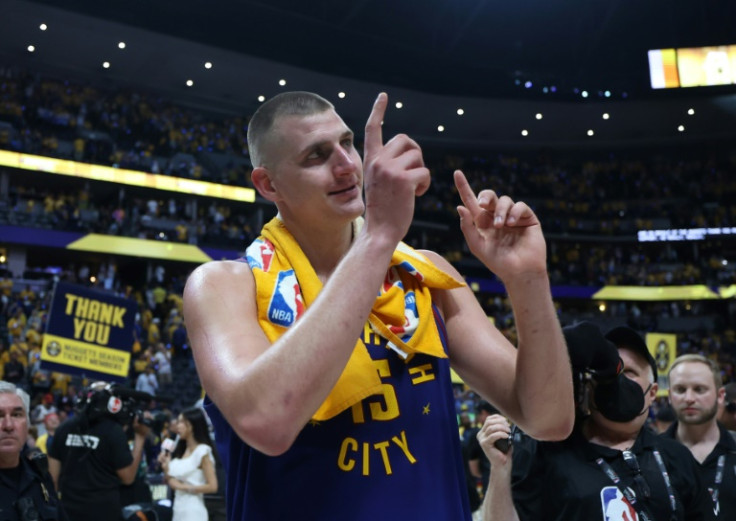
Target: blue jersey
[{"x": 393, "y": 456}]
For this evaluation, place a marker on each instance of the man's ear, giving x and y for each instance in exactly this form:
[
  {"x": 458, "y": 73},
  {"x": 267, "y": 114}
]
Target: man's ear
[{"x": 261, "y": 179}]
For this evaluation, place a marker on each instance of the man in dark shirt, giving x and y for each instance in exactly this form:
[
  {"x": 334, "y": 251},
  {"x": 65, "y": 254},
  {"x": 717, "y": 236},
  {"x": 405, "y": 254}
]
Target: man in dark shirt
[
  {"x": 26, "y": 489},
  {"x": 611, "y": 467},
  {"x": 696, "y": 393},
  {"x": 89, "y": 459}
]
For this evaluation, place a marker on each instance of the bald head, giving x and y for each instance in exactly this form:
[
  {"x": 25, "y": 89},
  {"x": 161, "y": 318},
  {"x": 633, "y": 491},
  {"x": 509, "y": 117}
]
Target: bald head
[{"x": 262, "y": 124}]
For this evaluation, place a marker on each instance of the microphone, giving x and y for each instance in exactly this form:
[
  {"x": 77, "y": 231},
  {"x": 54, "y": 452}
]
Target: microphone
[{"x": 169, "y": 444}]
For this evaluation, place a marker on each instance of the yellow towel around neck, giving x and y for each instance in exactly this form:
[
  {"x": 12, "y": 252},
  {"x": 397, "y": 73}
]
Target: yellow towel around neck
[{"x": 286, "y": 285}]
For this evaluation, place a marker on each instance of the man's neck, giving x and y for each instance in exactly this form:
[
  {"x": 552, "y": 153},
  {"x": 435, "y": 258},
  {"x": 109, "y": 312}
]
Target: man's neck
[
  {"x": 8, "y": 462},
  {"x": 621, "y": 437},
  {"x": 700, "y": 439}
]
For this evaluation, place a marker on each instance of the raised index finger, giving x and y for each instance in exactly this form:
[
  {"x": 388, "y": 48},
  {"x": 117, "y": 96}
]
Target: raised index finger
[
  {"x": 373, "y": 134},
  {"x": 467, "y": 196}
]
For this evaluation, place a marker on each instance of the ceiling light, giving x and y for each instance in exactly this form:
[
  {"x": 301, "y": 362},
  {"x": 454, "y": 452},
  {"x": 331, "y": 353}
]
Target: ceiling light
[
  {"x": 341, "y": 95},
  {"x": 105, "y": 65},
  {"x": 606, "y": 115},
  {"x": 121, "y": 45},
  {"x": 282, "y": 82},
  {"x": 545, "y": 89},
  {"x": 691, "y": 111},
  {"x": 539, "y": 115},
  {"x": 207, "y": 65},
  {"x": 590, "y": 132},
  {"x": 31, "y": 48},
  {"x": 584, "y": 94},
  {"x": 190, "y": 83},
  {"x": 460, "y": 112},
  {"x": 528, "y": 84},
  {"x": 553, "y": 89},
  {"x": 681, "y": 128},
  {"x": 607, "y": 94},
  {"x": 525, "y": 132},
  {"x": 43, "y": 27},
  {"x": 399, "y": 105},
  {"x": 261, "y": 98},
  {"x": 440, "y": 128}
]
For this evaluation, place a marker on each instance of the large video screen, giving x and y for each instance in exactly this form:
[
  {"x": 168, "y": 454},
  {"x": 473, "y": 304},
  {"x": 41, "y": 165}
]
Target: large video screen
[{"x": 692, "y": 67}]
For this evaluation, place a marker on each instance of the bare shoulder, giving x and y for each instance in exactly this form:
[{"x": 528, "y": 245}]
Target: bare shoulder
[{"x": 216, "y": 274}]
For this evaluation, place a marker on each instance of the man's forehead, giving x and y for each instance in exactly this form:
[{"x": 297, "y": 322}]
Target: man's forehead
[
  {"x": 310, "y": 127},
  {"x": 692, "y": 370},
  {"x": 10, "y": 401}
]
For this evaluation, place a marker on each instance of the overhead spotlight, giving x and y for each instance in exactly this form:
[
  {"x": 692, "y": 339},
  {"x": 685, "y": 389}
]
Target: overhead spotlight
[
  {"x": 545, "y": 89},
  {"x": 399, "y": 105},
  {"x": 31, "y": 48},
  {"x": 121, "y": 45},
  {"x": 553, "y": 89},
  {"x": 525, "y": 132},
  {"x": 690, "y": 112},
  {"x": 43, "y": 27},
  {"x": 590, "y": 132},
  {"x": 539, "y": 115},
  {"x": 607, "y": 94},
  {"x": 105, "y": 65},
  {"x": 528, "y": 84},
  {"x": 261, "y": 98},
  {"x": 460, "y": 112},
  {"x": 440, "y": 128},
  {"x": 207, "y": 65},
  {"x": 282, "y": 82},
  {"x": 341, "y": 95},
  {"x": 605, "y": 115},
  {"x": 584, "y": 94},
  {"x": 517, "y": 81},
  {"x": 576, "y": 90},
  {"x": 681, "y": 128},
  {"x": 190, "y": 83}
]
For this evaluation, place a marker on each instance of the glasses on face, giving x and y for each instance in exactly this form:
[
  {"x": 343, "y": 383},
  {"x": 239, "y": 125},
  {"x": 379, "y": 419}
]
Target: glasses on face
[
  {"x": 639, "y": 481},
  {"x": 731, "y": 407}
]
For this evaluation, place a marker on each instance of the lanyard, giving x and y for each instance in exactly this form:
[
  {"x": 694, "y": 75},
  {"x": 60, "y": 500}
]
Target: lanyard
[
  {"x": 717, "y": 484},
  {"x": 629, "y": 493}
]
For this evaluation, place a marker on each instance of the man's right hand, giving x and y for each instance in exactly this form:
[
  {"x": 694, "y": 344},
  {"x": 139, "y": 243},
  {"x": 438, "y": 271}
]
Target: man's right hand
[
  {"x": 495, "y": 428},
  {"x": 394, "y": 174}
]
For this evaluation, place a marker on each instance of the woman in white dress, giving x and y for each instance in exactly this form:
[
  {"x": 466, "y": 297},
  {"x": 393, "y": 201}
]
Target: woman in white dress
[{"x": 190, "y": 469}]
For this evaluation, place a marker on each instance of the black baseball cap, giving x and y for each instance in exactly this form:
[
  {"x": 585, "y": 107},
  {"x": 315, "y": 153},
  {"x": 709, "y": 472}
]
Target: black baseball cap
[{"x": 623, "y": 336}]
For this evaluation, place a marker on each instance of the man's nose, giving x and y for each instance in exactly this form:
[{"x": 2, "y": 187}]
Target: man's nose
[{"x": 344, "y": 162}]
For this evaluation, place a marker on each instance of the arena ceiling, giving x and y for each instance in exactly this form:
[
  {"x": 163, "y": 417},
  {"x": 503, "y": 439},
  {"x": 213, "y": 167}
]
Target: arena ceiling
[{"x": 435, "y": 56}]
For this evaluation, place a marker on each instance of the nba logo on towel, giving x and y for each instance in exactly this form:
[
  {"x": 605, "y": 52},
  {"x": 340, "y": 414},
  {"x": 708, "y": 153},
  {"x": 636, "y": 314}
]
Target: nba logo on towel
[
  {"x": 615, "y": 506},
  {"x": 287, "y": 303},
  {"x": 259, "y": 254}
]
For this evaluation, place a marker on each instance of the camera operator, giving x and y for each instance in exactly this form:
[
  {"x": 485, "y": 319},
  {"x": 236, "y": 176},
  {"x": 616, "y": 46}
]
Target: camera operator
[
  {"x": 26, "y": 490},
  {"x": 90, "y": 458}
]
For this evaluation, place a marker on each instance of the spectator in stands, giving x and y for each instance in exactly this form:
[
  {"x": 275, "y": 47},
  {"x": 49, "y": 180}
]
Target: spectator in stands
[
  {"x": 147, "y": 381},
  {"x": 306, "y": 162},
  {"x": 162, "y": 360},
  {"x": 14, "y": 371},
  {"x": 50, "y": 422}
]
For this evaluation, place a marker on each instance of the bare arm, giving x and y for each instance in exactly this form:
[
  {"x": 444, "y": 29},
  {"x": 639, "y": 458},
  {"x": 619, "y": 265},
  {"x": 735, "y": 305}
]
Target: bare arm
[
  {"x": 269, "y": 392},
  {"x": 498, "y": 504},
  {"x": 55, "y": 470},
  {"x": 532, "y": 384},
  {"x": 127, "y": 474}
]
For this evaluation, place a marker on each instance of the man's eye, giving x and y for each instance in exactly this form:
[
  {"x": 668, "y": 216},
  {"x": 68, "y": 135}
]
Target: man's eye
[{"x": 347, "y": 143}]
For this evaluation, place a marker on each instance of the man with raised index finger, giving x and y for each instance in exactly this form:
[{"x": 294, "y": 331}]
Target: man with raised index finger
[{"x": 326, "y": 351}]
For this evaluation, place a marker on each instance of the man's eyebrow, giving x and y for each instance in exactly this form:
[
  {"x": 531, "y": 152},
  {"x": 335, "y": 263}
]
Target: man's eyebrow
[{"x": 318, "y": 144}]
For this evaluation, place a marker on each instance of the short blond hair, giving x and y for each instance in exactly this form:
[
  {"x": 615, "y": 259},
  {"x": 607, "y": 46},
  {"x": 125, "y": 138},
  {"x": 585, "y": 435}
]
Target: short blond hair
[{"x": 713, "y": 366}]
